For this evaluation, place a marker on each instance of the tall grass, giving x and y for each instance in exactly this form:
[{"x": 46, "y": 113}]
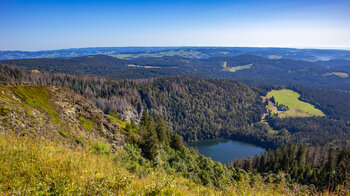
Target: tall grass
[{"x": 31, "y": 166}]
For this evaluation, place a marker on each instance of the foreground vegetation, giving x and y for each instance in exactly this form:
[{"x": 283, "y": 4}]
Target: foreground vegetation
[
  {"x": 322, "y": 168},
  {"x": 31, "y": 166}
]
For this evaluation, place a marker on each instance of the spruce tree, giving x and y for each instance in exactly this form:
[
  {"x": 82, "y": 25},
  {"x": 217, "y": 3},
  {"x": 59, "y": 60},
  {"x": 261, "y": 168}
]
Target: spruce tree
[
  {"x": 176, "y": 142},
  {"x": 161, "y": 130}
]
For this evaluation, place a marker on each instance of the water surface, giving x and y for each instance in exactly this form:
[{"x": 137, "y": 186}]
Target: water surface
[{"x": 224, "y": 150}]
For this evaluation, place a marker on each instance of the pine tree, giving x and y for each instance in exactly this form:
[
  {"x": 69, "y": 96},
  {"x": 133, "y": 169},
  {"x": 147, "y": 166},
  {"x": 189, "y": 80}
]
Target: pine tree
[
  {"x": 150, "y": 147},
  {"x": 176, "y": 142},
  {"x": 133, "y": 124},
  {"x": 329, "y": 170},
  {"x": 161, "y": 130},
  {"x": 144, "y": 119},
  {"x": 150, "y": 139}
]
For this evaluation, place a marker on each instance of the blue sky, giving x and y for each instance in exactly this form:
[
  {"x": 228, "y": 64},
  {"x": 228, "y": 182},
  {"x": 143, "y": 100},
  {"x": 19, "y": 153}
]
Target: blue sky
[{"x": 56, "y": 24}]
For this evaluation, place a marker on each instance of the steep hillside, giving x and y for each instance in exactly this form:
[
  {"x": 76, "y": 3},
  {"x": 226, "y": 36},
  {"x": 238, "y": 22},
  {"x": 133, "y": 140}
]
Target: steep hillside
[
  {"x": 205, "y": 108},
  {"x": 57, "y": 114},
  {"x": 30, "y": 166}
]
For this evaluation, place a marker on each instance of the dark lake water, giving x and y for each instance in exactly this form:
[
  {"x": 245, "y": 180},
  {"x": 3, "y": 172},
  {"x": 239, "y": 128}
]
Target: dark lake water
[{"x": 224, "y": 150}]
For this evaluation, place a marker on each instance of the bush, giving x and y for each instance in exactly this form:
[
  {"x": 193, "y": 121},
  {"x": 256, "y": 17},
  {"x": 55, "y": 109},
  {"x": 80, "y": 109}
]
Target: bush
[{"x": 101, "y": 147}]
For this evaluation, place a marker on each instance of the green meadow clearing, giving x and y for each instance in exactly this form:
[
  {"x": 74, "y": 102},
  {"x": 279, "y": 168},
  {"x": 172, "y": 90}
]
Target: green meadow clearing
[
  {"x": 132, "y": 65},
  {"x": 296, "y": 107},
  {"x": 339, "y": 74},
  {"x": 236, "y": 68}
]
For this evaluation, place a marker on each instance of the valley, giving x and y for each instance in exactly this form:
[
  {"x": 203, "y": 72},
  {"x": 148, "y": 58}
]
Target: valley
[
  {"x": 174, "y": 98},
  {"x": 153, "y": 116}
]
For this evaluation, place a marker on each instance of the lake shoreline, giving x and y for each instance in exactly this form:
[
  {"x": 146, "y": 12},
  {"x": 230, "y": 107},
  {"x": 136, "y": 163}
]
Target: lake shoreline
[
  {"x": 245, "y": 139},
  {"x": 224, "y": 150}
]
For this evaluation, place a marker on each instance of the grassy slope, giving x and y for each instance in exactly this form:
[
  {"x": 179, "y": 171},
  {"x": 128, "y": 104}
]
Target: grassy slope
[
  {"x": 296, "y": 107},
  {"x": 339, "y": 74},
  {"x": 236, "y": 68},
  {"x": 30, "y": 166},
  {"x": 55, "y": 113}
]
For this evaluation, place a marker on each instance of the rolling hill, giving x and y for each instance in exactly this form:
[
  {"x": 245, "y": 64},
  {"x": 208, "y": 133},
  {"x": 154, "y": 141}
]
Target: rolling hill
[
  {"x": 261, "y": 72},
  {"x": 132, "y": 53}
]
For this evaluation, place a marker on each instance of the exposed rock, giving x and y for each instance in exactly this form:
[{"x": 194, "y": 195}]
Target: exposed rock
[{"x": 56, "y": 113}]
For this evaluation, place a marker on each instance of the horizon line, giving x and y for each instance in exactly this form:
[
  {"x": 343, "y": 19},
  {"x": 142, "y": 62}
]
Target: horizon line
[{"x": 281, "y": 47}]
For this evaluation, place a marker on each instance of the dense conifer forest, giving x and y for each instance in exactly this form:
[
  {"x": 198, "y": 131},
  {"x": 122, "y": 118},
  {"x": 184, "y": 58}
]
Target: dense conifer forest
[
  {"x": 200, "y": 109},
  {"x": 261, "y": 70}
]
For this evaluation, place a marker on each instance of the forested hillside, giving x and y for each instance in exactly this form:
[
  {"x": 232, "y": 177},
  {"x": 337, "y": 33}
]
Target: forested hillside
[
  {"x": 335, "y": 103},
  {"x": 336, "y": 64},
  {"x": 323, "y": 168},
  {"x": 197, "y": 108},
  {"x": 260, "y": 70},
  {"x": 98, "y": 65}
]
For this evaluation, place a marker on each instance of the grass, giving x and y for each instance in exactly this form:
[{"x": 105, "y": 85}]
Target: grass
[
  {"x": 236, "y": 68},
  {"x": 296, "y": 107},
  {"x": 224, "y": 65},
  {"x": 87, "y": 123},
  {"x": 132, "y": 65},
  {"x": 339, "y": 74},
  {"x": 31, "y": 166},
  {"x": 37, "y": 97},
  {"x": 114, "y": 118},
  {"x": 148, "y": 67}
]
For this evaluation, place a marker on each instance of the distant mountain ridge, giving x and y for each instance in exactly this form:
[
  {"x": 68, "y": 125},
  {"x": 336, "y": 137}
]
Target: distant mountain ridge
[
  {"x": 338, "y": 64},
  {"x": 131, "y": 53}
]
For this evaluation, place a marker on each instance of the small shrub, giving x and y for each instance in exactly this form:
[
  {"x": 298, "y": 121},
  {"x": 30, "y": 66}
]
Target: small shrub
[{"x": 101, "y": 147}]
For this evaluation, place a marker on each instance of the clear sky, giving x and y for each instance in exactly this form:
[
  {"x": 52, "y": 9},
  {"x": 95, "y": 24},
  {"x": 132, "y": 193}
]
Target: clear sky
[{"x": 56, "y": 24}]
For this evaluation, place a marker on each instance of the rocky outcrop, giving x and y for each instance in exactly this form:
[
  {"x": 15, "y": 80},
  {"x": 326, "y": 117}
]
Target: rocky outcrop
[{"x": 56, "y": 113}]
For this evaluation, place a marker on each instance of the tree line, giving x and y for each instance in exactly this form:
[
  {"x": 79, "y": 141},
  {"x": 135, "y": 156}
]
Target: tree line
[{"x": 323, "y": 167}]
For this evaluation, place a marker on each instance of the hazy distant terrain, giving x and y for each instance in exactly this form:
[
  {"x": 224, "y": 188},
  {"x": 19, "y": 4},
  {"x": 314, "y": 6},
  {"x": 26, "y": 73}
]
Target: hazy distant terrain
[{"x": 188, "y": 52}]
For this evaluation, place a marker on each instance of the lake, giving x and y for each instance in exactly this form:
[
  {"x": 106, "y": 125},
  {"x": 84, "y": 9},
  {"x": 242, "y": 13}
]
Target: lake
[{"x": 224, "y": 150}]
